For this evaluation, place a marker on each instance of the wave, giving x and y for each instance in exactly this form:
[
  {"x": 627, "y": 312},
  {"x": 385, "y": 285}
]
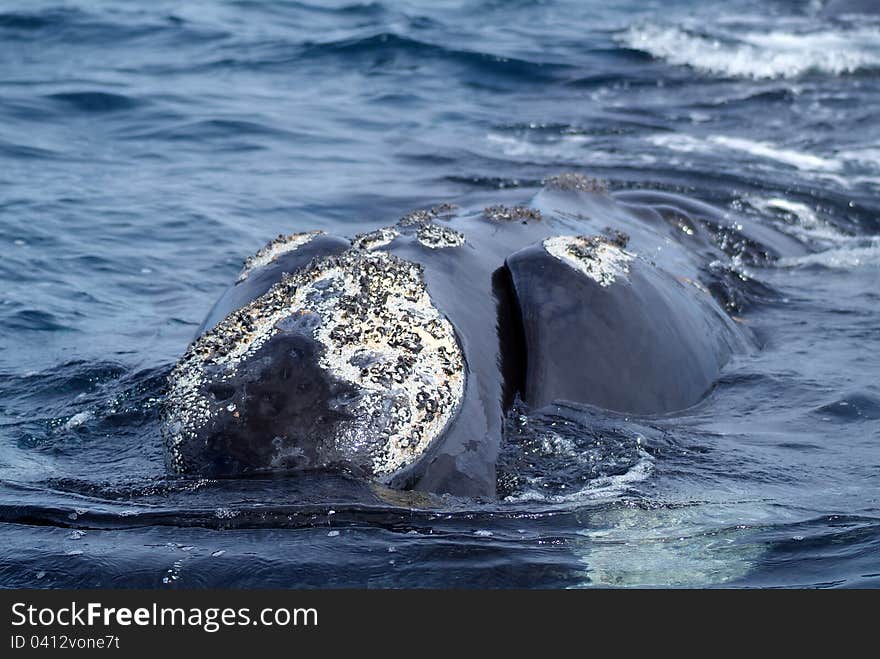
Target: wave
[
  {"x": 562, "y": 148},
  {"x": 868, "y": 157},
  {"x": 355, "y": 8},
  {"x": 107, "y": 27},
  {"x": 38, "y": 20},
  {"x": 33, "y": 319},
  {"x": 387, "y": 51},
  {"x": 841, "y": 251},
  {"x": 573, "y": 454},
  {"x": 388, "y": 44},
  {"x": 760, "y": 55},
  {"x": 798, "y": 159},
  {"x": 800, "y": 220},
  {"x": 14, "y": 151},
  {"x": 95, "y": 101},
  {"x": 602, "y": 488},
  {"x": 217, "y": 129},
  {"x": 866, "y": 254}
]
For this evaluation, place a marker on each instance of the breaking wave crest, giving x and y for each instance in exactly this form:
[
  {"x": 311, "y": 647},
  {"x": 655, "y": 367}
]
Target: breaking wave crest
[{"x": 760, "y": 55}]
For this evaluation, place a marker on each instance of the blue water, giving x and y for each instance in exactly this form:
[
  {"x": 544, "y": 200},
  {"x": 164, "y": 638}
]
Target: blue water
[{"x": 146, "y": 148}]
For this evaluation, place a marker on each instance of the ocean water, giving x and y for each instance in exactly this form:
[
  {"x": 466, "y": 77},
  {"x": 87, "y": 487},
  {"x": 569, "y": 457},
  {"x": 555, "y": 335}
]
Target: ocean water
[{"x": 147, "y": 148}]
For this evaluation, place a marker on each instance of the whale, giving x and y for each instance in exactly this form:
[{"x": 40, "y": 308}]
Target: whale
[{"x": 398, "y": 354}]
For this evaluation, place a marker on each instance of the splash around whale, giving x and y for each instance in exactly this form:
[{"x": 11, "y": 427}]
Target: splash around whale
[{"x": 397, "y": 356}]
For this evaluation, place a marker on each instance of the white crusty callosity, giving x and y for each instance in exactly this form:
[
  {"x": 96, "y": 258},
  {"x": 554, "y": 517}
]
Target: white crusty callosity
[
  {"x": 576, "y": 182},
  {"x": 375, "y": 239},
  {"x": 434, "y": 236},
  {"x": 378, "y": 331},
  {"x": 599, "y": 258},
  {"x": 280, "y": 245},
  {"x": 502, "y": 213}
]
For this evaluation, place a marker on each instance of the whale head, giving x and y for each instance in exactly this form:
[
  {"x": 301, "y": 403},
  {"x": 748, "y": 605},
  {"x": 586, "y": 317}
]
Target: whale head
[{"x": 345, "y": 364}]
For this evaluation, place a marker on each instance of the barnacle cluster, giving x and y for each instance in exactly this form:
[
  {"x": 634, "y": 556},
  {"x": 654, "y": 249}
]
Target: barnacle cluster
[
  {"x": 375, "y": 239},
  {"x": 421, "y": 216},
  {"x": 576, "y": 182},
  {"x": 601, "y": 259},
  {"x": 378, "y": 331},
  {"x": 502, "y": 213},
  {"x": 437, "y": 236},
  {"x": 275, "y": 248}
]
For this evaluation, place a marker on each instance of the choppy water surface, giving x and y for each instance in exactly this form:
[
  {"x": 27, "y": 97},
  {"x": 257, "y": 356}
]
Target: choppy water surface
[{"x": 147, "y": 148}]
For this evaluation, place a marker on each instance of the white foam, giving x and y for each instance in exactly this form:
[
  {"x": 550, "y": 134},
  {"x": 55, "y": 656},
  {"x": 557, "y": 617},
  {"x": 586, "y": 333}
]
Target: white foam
[
  {"x": 565, "y": 147},
  {"x": 602, "y": 488},
  {"x": 799, "y": 159},
  {"x": 77, "y": 420},
  {"x": 753, "y": 54},
  {"x": 806, "y": 215},
  {"x": 865, "y": 255},
  {"x": 805, "y": 221},
  {"x": 574, "y": 149},
  {"x": 866, "y": 157}
]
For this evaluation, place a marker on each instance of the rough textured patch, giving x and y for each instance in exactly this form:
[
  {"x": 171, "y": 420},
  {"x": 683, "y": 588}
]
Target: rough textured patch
[
  {"x": 375, "y": 239},
  {"x": 280, "y": 245},
  {"x": 435, "y": 236},
  {"x": 599, "y": 258},
  {"x": 619, "y": 238},
  {"x": 378, "y": 330},
  {"x": 575, "y": 181},
  {"x": 416, "y": 217},
  {"x": 502, "y": 213}
]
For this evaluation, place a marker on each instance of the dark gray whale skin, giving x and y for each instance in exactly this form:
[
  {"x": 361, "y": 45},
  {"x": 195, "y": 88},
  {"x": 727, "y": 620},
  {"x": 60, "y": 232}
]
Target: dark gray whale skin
[
  {"x": 651, "y": 342},
  {"x": 651, "y": 347}
]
